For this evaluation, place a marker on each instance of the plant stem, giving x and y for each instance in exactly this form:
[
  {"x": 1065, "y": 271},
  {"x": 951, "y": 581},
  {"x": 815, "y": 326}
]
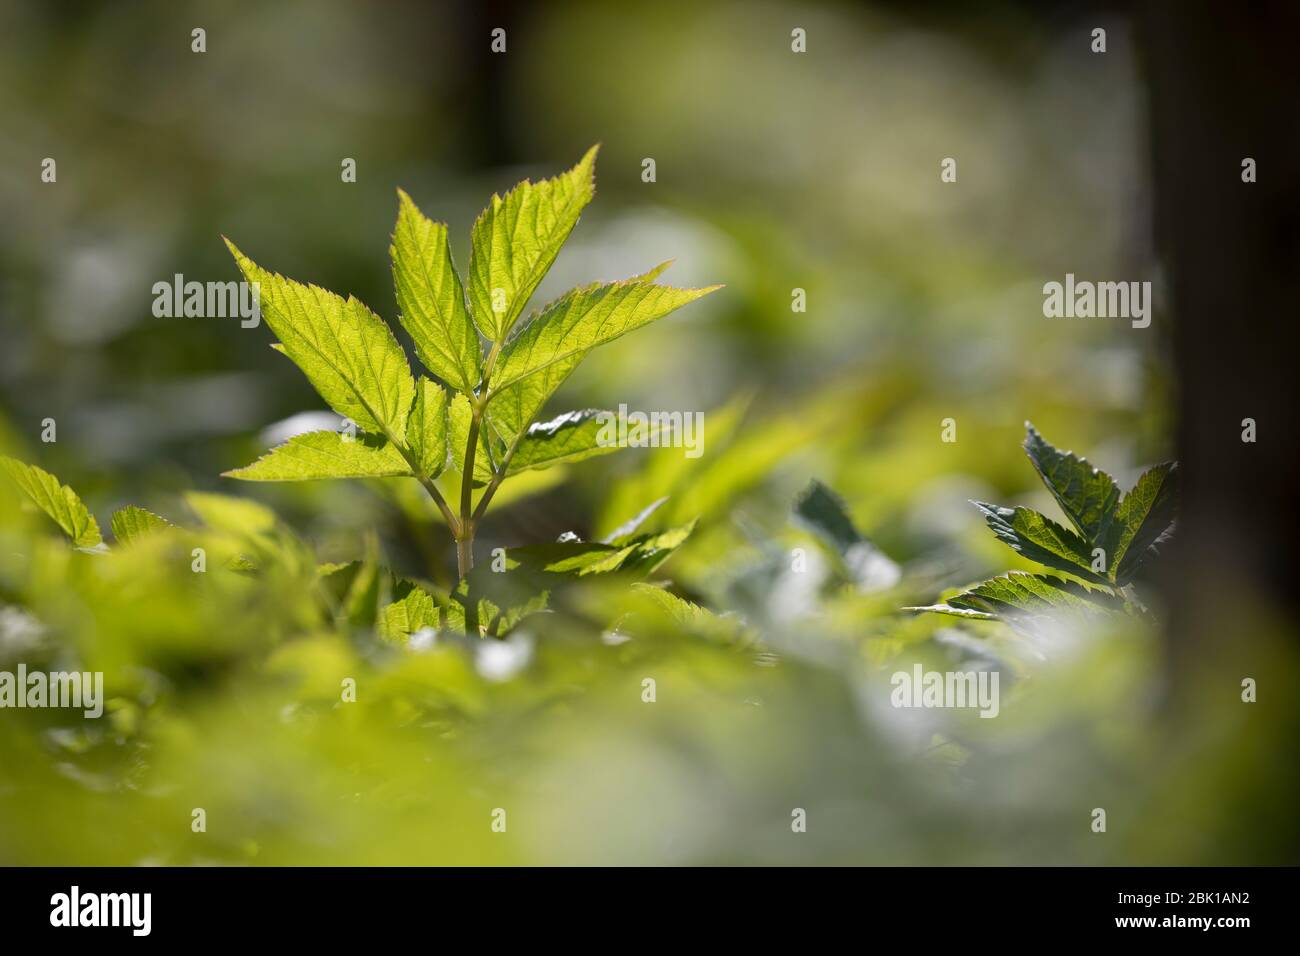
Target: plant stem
[
  {"x": 441, "y": 502},
  {"x": 465, "y": 553},
  {"x": 427, "y": 483},
  {"x": 465, "y": 527},
  {"x": 465, "y": 531}
]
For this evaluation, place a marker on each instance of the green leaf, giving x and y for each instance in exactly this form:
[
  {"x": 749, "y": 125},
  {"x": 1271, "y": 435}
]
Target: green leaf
[
  {"x": 824, "y": 513},
  {"x": 951, "y": 611},
  {"x": 651, "y": 274},
  {"x": 1041, "y": 539},
  {"x": 1087, "y": 495},
  {"x": 229, "y": 514},
  {"x": 426, "y": 430},
  {"x": 565, "y": 557},
  {"x": 1020, "y": 591},
  {"x": 131, "y": 523},
  {"x": 516, "y": 238},
  {"x": 640, "y": 554},
  {"x": 1144, "y": 516},
  {"x": 572, "y": 436},
  {"x": 413, "y": 610},
  {"x": 649, "y": 551},
  {"x": 671, "y": 476},
  {"x": 685, "y": 614},
  {"x": 500, "y": 599},
  {"x": 492, "y": 617},
  {"x": 623, "y": 532},
  {"x": 1029, "y": 602},
  {"x": 584, "y": 318},
  {"x": 346, "y": 351},
  {"x": 431, "y": 298},
  {"x": 538, "y": 360},
  {"x": 317, "y": 455},
  {"x": 57, "y": 500},
  {"x": 357, "y": 588},
  {"x": 689, "y": 618}
]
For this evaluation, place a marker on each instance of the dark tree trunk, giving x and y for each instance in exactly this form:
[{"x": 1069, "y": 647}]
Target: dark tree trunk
[{"x": 1225, "y": 86}]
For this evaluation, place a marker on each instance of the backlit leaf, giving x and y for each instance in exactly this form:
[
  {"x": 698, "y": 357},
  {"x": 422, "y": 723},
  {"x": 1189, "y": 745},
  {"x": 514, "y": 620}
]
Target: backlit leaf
[
  {"x": 426, "y": 430},
  {"x": 515, "y": 240},
  {"x": 538, "y": 360},
  {"x": 317, "y": 455},
  {"x": 345, "y": 350},
  {"x": 57, "y": 500},
  {"x": 431, "y": 299},
  {"x": 131, "y": 523}
]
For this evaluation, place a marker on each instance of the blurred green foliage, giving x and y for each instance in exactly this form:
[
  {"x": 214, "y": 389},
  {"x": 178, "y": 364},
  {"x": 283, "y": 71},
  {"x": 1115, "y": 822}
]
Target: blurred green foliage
[{"x": 775, "y": 172}]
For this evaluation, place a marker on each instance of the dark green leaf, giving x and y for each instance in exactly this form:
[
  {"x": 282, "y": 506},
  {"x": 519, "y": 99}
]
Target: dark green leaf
[
  {"x": 1041, "y": 539},
  {"x": 1145, "y": 515},
  {"x": 1087, "y": 495}
]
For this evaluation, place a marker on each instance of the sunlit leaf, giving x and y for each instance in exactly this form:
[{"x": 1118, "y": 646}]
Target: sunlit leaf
[
  {"x": 431, "y": 299},
  {"x": 344, "y": 349},
  {"x": 534, "y": 363},
  {"x": 412, "y": 610},
  {"x": 317, "y": 455},
  {"x": 57, "y": 500},
  {"x": 131, "y": 523},
  {"x": 515, "y": 240},
  {"x": 229, "y": 514},
  {"x": 426, "y": 431}
]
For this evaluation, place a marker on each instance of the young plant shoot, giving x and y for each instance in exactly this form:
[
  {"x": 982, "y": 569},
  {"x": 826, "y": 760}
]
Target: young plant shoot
[{"x": 491, "y": 370}]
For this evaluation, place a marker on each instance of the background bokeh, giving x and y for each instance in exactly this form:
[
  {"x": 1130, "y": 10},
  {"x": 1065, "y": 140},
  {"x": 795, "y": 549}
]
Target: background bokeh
[{"x": 775, "y": 171}]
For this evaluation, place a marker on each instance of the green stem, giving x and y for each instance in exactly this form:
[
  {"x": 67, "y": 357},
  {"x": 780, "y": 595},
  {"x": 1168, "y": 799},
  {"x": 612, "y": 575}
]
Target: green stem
[
  {"x": 465, "y": 531},
  {"x": 465, "y": 554},
  {"x": 466, "y": 526},
  {"x": 447, "y": 514},
  {"x": 441, "y": 502}
]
